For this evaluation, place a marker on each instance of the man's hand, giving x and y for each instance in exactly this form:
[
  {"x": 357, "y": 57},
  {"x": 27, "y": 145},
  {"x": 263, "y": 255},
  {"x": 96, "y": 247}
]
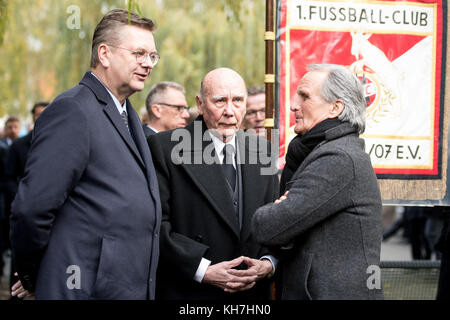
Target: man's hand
[
  {"x": 282, "y": 198},
  {"x": 261, "y": 268},
  {"x": 221, "y": 275},
  {"x": 19, "y": 291}
]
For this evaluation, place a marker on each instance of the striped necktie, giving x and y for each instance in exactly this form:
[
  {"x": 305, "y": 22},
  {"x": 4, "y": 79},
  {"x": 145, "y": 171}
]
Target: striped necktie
[{"x": 125, "y": 118}]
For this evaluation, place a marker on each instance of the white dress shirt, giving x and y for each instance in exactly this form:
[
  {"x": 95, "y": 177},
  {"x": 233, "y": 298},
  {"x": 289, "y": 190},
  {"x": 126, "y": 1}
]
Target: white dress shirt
[{"x": 204, "y": 263}]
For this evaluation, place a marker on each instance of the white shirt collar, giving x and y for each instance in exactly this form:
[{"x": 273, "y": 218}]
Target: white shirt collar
[
  {"x": 152, "y": 128},
  {"x": 120, "y": 108},
  {"x": 219, "y": 145}
]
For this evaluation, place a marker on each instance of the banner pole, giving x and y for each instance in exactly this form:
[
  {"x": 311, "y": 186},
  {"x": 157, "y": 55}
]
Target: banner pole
[{"x": 269, "y": 78}]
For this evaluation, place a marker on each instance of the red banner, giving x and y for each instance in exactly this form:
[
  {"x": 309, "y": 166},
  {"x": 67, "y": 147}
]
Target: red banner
[{"x": 395, "y": 48}]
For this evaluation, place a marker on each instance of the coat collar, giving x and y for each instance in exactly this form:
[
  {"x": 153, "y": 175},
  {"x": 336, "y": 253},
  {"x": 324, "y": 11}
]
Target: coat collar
[{"x": 339, "y": 131}]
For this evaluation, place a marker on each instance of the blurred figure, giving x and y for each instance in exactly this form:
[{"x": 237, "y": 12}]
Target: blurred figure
[
  {"x": 18, "y": 151},
  {"x": 256, "y": 111},
  {"x": 166, "y": 107},
  {"x": 15, "y": 167},
  {"x": 193, "y": 114},
  {"x": 443, "y": 246},
  {"x": 144, "y": 116},
  {"x": 11, "y": 131}
]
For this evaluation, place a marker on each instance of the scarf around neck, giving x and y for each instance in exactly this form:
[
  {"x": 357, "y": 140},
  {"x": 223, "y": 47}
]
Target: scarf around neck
[{"x": 301, "y": 146}]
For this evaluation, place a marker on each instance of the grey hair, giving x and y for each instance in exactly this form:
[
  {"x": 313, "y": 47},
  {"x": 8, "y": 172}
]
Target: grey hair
[
  {"x": 342, "y": 84},
  {"x": 157, "y": 91}
]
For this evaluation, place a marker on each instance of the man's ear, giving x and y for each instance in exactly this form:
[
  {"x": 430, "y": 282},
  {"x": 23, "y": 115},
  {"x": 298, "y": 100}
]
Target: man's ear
[
  {"x": 336, "y": 108},
  {"x": 199, "y": 102},
  {"x": 103, "y": 55},
  {"x": 156, "y": 111}
]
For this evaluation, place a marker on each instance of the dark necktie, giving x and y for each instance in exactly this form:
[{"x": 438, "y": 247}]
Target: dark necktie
[
  {"x": 125, "y": 118},
  {"x": 227, "y": 165}
]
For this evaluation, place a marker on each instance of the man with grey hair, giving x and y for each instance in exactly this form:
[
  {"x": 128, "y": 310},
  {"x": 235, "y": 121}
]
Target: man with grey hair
[
  {"x": 166, "y": 107},
  {"x": 85, "y": 221},
  {"x": 328, "y": 221}
]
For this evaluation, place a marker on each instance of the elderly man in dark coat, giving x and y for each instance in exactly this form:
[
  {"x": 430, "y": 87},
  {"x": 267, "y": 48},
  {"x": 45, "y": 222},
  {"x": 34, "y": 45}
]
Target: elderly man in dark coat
[
  {"x": 327, "y": 225},
  {"x": 212, "y": 180}
]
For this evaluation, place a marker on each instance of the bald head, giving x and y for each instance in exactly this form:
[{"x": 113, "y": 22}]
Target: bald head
[
  {"x": 219, "y": 76},
  {"x": 222, "y": 100}
]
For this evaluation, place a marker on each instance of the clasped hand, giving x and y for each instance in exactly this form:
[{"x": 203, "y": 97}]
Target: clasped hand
[
  {"x": 19, "y": 291},
  {"x": 231, "y": 280}
]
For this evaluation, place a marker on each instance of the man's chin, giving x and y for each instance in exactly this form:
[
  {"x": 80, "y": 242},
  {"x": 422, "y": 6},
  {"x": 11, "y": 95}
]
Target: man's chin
[{"x": 138, "y": 86}]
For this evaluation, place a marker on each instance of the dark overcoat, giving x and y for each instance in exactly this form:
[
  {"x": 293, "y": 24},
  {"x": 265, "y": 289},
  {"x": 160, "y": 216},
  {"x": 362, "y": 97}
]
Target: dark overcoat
[
  {"x": 329, "y": 228},
  {"x": 199, "y": 220},
  {"x": 88, "y": 205}
]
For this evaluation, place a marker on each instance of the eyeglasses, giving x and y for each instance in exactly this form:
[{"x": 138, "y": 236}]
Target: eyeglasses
[
  {"x": 142, "y": 56},
  {"x": 179, "y": 108}
]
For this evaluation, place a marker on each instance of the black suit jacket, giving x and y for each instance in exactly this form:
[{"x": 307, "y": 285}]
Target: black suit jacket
[
  {"x": 198, "y": 214},
  {"x": 147, "y": 131},
  {"x": 88, "y": 205},
  {"x": 15, "y": 164}
]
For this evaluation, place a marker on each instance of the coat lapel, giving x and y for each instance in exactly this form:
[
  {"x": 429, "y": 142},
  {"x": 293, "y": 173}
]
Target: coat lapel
[
  {"x": 250, "y": 189},
  {"x": 118, "y": 123},
  {"x": 210, "y": 179},
  {"x": 135, "y": 124}
]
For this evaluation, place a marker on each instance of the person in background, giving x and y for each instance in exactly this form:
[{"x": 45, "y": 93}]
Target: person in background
[
  {"x": 11, "y": 131},
  {"x": 166, "y": 107},
  {"x": 256, "y": 111},
  {"x": 15, "y": 167},
  {"x": 327, "y": 226}
]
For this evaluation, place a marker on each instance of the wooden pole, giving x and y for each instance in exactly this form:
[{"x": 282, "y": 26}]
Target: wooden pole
[{"x": 269, "y": 78}]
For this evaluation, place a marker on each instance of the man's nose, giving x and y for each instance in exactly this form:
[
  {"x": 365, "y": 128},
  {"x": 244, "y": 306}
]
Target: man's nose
[
  {"x": 295, "y": 107},
  {"x": 185, "y": 114},
  {"x": 229, "y": 108},
  {"x": 147, "y": 63}
]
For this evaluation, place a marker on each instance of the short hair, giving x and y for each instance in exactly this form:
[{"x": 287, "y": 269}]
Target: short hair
[
  {"x": 157, "y": 90},
  {"x": 39, "y": 104},
  {"x": 12, "y": 119},
  {"x": 106, "y": 30},
  {"x": 255, "y": 90},
  {"x": 341, "y": 83}
]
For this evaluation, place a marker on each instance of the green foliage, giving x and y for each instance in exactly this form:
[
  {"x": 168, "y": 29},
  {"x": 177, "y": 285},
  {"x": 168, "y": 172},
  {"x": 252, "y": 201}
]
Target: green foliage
[
  {"x": 41, "y": 56},
  {"x": 3, "y": 18}
]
